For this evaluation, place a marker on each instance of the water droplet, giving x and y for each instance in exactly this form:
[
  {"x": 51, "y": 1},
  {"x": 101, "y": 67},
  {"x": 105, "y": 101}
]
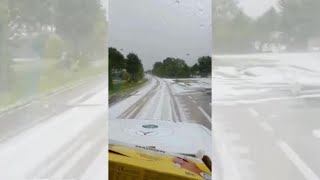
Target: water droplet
[
  {"x": 201, "y": 11},
  {"x": 163, "y": 20}
]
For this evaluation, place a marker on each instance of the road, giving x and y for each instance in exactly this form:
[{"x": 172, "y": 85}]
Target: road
[
  {"x": 266, "y": 116},
  {"x": 63, "y": 135},
  {"x": 167, "y": 100},
  {"x": 59, "y": 136}
]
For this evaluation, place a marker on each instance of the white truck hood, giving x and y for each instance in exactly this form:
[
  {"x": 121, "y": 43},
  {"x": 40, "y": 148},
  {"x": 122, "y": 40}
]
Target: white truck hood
[{"x": 183, "y": 138}]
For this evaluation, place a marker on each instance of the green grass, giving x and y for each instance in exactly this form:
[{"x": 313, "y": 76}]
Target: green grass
[
  {"x": 30, "y": 81},
  {"x": 55, "y": 79},
  {"x": 124, "y": 86}
]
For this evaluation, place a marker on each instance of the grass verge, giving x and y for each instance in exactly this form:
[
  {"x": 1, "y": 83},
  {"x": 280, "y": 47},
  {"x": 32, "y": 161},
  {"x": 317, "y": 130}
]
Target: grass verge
[
  {"x": 27, "y": 84},
  {"x": 124, "y": 86}
]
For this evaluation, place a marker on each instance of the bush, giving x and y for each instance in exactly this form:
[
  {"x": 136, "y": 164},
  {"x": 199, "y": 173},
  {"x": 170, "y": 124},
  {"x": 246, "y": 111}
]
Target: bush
[
  {"x": 54, "y": 47},
  {"x": 125, "y": 76}
]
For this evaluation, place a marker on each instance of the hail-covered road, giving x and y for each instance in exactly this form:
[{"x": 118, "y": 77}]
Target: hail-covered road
[
  {"x": 57, "y": 136},
  {"x": 266, "y": 116},
  {"x": 178, "y": 100}
]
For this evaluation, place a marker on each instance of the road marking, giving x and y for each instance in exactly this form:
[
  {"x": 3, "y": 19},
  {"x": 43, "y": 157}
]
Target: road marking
[
  {"x": 73, "y": 160},
  {"x": 315, "y": 91},
  {"x": 80, "y": 98},
  {"x": 189, "y": 97},
  {"x": 75, "y": 100},
  {"x": 232, "y": 103},
  {"x": 205, "y": 114},
  {"x": 194, "y": 101},
  {"x": 68, "y": 87},
  {"x": 297, "y": 161},
  {"x": 253, "y": 112},
  {"x": 54, "y": 93},
  {"x": 274, "y": 116},
  {"x": 266, "y": 126},
  {"x": 316, "y": 133},
  {"x": 24, "y": 106},
  {"x": 11, "y": 111}
]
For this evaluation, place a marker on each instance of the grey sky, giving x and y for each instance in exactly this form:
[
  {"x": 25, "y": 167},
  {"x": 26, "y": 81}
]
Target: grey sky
[
  {"x": 156, "y": 29},
  {"x": 256, "y": 7}
]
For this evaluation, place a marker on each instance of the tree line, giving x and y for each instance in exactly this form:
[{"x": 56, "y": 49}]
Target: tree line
[
  {"x": 177, "y": 68},
  {"x": 50, "y": 29},
  {"x": 129, "y": 68},
  {"x": 291, "y": 25}
]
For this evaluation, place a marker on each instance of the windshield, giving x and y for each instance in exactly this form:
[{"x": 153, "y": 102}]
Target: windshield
[{"x": 160, "y": 75}]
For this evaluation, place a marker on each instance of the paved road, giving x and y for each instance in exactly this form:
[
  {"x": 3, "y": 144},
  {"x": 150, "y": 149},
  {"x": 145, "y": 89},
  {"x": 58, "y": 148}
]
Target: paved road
[
  {"x": 198, "y": 107},
  {"x": 63, "y": 135},
  {"x": 59, "y": 136},
  {"x": 163, "y": 102},
  {"x": 268, "y": 127}
]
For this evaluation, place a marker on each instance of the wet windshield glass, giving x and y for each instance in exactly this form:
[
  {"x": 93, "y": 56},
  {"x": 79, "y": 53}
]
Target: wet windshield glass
[{"x": 160, "y": 74}]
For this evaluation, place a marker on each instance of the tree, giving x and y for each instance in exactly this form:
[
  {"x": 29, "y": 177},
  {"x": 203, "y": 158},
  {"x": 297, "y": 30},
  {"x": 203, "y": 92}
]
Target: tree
[
  {"x": 32, "y": 16},
  {"x": 134, "y": 67},
  {"x": 232, "y": 28},
  {"x": 54, "y": 47},
  {"x": 171, "y": 68},
  {"x": 4, "y": 59},
  {"x": 158, "y": 69},
  {"x": 266, "y": 26},
  {"x": 80, "y": 23},
  {"x": 195, "y": 69},
  {"x": 116, "y": 62},
  {"x": 116, "y": 59},
  {"x": 205, "y": 65},
  {"x": 98, "y": 36},
  {"x": 299, "y": 20},
  {"x": 75, "y": 21},
  {"x": 224, "y": 9}
]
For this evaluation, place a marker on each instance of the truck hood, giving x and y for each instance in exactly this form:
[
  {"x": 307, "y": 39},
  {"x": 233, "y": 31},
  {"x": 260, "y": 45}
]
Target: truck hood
[{"x": 175, "y": 137}]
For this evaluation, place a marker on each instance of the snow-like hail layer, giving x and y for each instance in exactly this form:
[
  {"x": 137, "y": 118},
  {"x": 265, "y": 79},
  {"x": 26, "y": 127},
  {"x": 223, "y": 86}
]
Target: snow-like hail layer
[
  {"x": 160, "y": 104},
  {"x": 119, "y": 108},
  {"x": 290, "y": 70},
  {"x": 39, "y": 149}
]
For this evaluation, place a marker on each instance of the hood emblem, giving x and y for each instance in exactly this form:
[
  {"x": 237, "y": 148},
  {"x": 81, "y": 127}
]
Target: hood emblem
[
  {"x": 146, "y": 133},
  {"x": 150, "y": 126}
]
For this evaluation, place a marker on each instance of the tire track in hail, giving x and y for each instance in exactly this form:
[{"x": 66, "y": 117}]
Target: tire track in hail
[
  {"x": 91, "y": 136},
  {"x": 174, "y": 105},
  {"x": 133, "y": 110}
]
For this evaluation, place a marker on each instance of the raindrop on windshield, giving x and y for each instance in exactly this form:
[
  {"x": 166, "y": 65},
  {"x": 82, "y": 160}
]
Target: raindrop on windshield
[
  {"x": 163, "y": 20},
  {"x": 201, "y": 11}
]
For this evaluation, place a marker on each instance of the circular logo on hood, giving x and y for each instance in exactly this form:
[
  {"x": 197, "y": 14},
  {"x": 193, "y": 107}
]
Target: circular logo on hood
[
  {"x": 150, "y": 126},
  {"x": 149, "y": 130}
]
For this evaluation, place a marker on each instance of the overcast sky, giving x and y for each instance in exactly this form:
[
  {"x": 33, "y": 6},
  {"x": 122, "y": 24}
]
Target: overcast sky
[
  {"x": 256, "y": 7},
  {"x": 156, "y": 29}
]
